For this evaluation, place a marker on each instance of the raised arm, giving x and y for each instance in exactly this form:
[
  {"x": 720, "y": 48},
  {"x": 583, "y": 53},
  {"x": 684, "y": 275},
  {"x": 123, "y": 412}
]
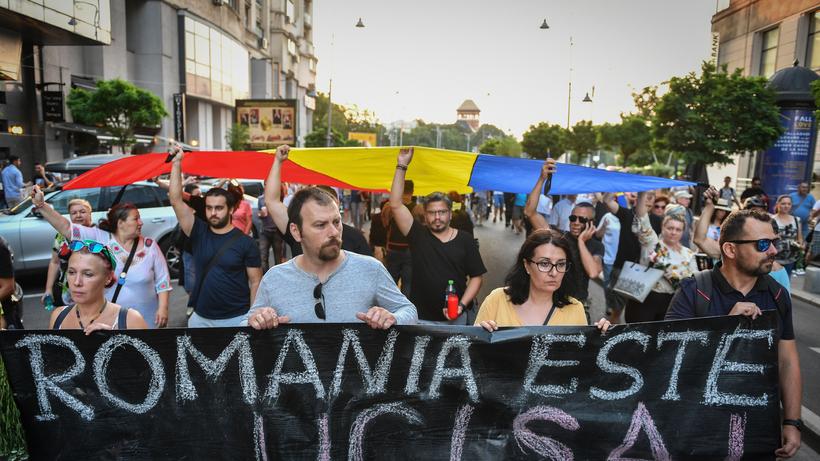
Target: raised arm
[
  {"x": 640, "y": 206},
  {"x": 531, "y": 208},
  {"x": 611, "y": 203},
  {"x": 273, "y": 190},
  {"x": 57, "y": 221},
  {"x": 707, "y": 245},
  {"x": 185, "y": 215},
  {"x": 402, "y": 216}
]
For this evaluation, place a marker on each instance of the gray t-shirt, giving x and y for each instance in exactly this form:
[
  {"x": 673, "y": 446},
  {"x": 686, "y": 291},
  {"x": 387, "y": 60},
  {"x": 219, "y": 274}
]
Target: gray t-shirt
[{"x": 359, "y": 283}]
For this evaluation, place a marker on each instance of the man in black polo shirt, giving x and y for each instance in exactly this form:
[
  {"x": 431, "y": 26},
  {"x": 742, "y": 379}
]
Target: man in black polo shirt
[
  {"x": 439, "y": 252},
  {"x": 741, "y": 285}
]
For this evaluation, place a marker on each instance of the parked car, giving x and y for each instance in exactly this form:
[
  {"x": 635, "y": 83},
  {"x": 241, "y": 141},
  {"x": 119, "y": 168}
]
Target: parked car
[{"x": 31, "y": 237}]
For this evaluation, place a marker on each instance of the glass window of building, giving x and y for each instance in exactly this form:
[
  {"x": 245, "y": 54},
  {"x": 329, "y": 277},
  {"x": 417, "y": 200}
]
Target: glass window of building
[
  {"x": 216, "y": 66},
  {"x": 290, "y": 11},
  {"x": 813, "y": 52},
  {"x": 768, "y": 53},
  {"x": 260, "y": 30}
]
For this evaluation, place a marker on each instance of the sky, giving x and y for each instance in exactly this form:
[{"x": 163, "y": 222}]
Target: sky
[{"x": 423, "y": 58}]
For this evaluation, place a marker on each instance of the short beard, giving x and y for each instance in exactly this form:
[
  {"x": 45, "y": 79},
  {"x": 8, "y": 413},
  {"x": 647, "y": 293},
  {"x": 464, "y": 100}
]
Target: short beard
[
  {"x": 759, "y": 270},
  {"x": 330, "y": 251},
  {"x": 220, "y": 224}
]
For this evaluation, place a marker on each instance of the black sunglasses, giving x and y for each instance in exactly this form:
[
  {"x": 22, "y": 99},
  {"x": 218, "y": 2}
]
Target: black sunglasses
[
  {"x": 319, "y": 308},
  {"x": 761, "y": 245},
  {"x": 583, "y": 220}
]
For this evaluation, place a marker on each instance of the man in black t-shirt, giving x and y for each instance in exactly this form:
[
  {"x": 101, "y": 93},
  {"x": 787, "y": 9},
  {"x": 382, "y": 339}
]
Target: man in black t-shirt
[
  {"x": 7, "y": 284},
  {"x": 755, "y": 190},
  {"x": 439, "y": 253},
  {"x": 227, "y": 261}
]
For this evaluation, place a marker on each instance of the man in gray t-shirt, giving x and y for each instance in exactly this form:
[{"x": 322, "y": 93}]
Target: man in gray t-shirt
[{"x": 325, "y": 283}]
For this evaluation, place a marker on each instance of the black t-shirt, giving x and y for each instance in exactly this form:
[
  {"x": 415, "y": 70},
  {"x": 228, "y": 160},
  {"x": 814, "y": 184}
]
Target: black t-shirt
[
  {"x": 596, "y": 248},
  {"x": 629, "y": 249},
  {"x": 656, "y": 222},
  {"x": 461, "y": 221},
  {"x": 434, "y": 263},
  {"x": 378, "y": 233},
  {"x": 225, "y": 292},
  {"x": 395, "y": 239},
  {"x": 6, "y": 260},
  {"x": 352, "y": 240},
  {"x": 196, "y": 203},
  {"x": 751, "y": 192}
]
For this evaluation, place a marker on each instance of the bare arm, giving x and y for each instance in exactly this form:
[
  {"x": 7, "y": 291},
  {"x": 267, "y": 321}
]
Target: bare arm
[
  {"x": 640, "y": 207},
  {"x": 611, "y": 203},
  {"x": 254, "y": 277},
  {"x": 471, "y": 291},
  {"x": 531, "y": 208},
  {"x": 601, "y": 231},
  {"x": 185, "y": 215},
  {"x": 51, "y": 276},
  {"x": 6, "y": 287},
  {"x": 57, "y": 221},
  {"x": 593, "y": 265},
  {"x": 791, "y": 385},
  {"x": 273, "y": 190},
  {"x": 402, "y": 216},
  {"x": 707, "y": 245}
]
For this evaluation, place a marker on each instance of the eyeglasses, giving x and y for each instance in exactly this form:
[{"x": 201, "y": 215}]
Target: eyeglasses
[
  {"x": 319, "y": 308},
  {"x": 762, "y": 245},
  {"x": 93, "y": 247},
  {"x": 581, "y": 219},
  {"x": 546, "y": 266},
  {"x": 438, "y": 212}
]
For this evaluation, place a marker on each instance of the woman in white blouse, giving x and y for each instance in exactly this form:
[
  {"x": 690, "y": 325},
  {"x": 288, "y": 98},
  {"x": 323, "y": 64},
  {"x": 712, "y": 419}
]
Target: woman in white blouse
[{"x": 663, "y": 252}]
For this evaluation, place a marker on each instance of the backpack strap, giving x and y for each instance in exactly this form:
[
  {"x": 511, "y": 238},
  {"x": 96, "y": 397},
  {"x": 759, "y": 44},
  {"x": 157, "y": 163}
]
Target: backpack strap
[
  {"x": 779, "y": 294},
  {"x": 703, "y": 292},
  {"x": 59, "y": 320},
  {"x": 122, "y": 318}
]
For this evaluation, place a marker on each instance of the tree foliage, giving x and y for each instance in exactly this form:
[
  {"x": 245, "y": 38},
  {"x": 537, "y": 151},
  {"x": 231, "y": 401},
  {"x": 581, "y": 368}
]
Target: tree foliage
[
  {"x": 238, "y": 136},
  {"x": 543, "y": 138},
  {"x": 118, "y": 106},
  {"x": 505, "y": 146},
  {"x": 582, "y": 140},
  {"x": 710, "y": 117},
  {"x": 627, "y": 138},
  {"x": 318, "y": 138}
]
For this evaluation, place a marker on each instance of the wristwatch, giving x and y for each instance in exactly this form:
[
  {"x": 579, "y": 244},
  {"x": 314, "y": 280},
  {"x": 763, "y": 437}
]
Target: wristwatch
[
  {"x": 463, "y": 307},
  {"x": 798, "y": 423}
]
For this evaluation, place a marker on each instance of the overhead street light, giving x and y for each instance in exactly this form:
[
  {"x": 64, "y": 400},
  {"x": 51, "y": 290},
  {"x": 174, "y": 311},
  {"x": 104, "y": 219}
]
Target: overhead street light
[
  {"x": 360, "y": 24},
  {"x": 544, "y": 25}
]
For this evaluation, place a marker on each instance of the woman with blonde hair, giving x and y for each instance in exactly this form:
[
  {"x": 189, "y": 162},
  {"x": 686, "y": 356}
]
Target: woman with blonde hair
[{"x": 79, "y": 212}]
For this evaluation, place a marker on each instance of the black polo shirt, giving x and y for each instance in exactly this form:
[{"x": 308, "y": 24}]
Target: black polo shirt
[{"x": 724, "y": 297}]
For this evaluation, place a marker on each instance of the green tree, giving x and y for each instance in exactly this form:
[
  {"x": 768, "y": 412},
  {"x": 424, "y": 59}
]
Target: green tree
[
  {"x": 629, "y": 137},
  {"x": 582, "y": 140},
  {"x": 318, "y": 138},
  {"x": 118, "y": 106},
  {"x": 710, "y": 117},
  {"x": 506, "y": 146},
  {"x": 543, "y": 139},
  {"x": 238, "y": 137}
]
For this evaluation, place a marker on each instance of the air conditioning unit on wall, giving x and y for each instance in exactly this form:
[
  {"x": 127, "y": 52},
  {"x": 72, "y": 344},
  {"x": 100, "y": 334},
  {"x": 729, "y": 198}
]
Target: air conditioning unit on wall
[{"x": 263, "y": 43}]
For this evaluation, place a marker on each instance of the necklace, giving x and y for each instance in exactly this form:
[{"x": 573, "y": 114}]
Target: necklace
[
  {"x": 452, "y": 234},
  {"x": 77, "y": 311}
]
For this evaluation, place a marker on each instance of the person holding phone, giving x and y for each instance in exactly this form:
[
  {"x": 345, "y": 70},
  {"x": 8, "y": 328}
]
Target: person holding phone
[{"x": 586, "y": 253}]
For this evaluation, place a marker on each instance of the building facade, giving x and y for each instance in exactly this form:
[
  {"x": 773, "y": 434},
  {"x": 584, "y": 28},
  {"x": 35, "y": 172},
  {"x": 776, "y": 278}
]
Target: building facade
[
  {"x": 198, "y": 56},
  {"x": 762, "y": 37}
]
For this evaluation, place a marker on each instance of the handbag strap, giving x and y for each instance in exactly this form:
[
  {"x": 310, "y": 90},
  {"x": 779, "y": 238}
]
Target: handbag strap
[
  {"x": 549, "y": 315},
  {"x": 124, "y": 273},
  {"x": 211, "y": 263}
]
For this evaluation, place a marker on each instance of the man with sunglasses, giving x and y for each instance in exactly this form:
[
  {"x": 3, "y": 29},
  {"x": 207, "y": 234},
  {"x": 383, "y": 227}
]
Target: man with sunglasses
[
  {"x": 326, "y": 283},
  {"x": 438, "y": 251},
  {"x": 587, "y": 253},
  {"x": 741, "y": 285}
]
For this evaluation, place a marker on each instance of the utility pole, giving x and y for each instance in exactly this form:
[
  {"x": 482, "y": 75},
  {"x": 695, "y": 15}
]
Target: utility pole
[{"x": 329, "y": 113}]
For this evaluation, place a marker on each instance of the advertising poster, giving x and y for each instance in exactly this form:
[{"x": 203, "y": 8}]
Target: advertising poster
[
  {"x": 270, "y": 122},
  {"x": 788, "y": 162}
]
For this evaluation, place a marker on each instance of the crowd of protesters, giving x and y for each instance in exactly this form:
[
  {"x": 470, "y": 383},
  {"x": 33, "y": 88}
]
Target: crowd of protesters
[{"x": 309, "y": 265}]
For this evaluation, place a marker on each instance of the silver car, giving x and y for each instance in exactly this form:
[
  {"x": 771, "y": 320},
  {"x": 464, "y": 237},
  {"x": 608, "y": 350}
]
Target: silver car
[{"x": 31, "y": 237}]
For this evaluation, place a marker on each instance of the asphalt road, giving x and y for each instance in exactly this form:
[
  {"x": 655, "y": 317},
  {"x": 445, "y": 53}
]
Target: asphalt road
[{"x": 499, "y": 246}]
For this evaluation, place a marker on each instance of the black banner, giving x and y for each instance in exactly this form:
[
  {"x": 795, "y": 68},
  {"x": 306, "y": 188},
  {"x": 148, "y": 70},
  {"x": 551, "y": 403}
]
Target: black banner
[
  {"x": 704, "y": 389},
  {"x": 53, "y": 106}
]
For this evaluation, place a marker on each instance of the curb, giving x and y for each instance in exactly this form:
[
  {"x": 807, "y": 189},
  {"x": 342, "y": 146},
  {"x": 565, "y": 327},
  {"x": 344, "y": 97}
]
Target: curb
[{"x": 806, "y": 297}]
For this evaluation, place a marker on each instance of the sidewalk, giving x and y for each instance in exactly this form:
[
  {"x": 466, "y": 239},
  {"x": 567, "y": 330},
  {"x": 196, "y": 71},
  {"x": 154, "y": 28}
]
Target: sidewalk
[{"x": 801, "y": 294}]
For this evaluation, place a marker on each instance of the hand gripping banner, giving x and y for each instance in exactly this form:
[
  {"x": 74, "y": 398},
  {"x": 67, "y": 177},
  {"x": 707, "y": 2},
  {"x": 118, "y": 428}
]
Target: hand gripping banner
[{"x": 700, "y": 389}]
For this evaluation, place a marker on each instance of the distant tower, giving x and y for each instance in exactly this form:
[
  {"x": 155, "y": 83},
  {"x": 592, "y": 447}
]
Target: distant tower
[{"x": 468, "y": 113}]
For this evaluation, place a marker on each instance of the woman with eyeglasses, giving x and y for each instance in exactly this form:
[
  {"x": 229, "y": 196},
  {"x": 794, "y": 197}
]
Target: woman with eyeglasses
[
  {"x": 90, "y": 272},
  {"x": 787, "y": 227},
  {"x": 665, "y": 252},
  {"x": 536, "y": 291},
  {"x": 145, "y": 284}
]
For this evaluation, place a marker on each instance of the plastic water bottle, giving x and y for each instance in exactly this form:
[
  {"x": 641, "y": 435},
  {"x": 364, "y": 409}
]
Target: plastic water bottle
[
  {"x": 48, "y": 303},
  {"x": 452, "y": 301}
]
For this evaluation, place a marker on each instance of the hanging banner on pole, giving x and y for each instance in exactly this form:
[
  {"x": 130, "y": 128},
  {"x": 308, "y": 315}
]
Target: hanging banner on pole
[
  {"x": 705, "y": 389},
  {"x": 788, "y": 162}
]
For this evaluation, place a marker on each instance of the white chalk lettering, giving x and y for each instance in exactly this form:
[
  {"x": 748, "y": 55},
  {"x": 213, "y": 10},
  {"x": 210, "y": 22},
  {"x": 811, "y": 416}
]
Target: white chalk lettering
[
  {"x": 641, "y": 419},
  {"x": 259, "y": 447},
  {"x": 544, "y": 446},
  {"x": 713, "y": 396},
  {"x": 465, "y": 371},
  {"x": 683, "y": 338},
  {"x": 609, "y": 366},
  {"x": 48, "y": 384},
  {"x": 156, "y": 385},
  {"x": 374, "y": 381},
  {"x": 538, "y": 359},
  {"x": 737, "y": 432},
  {"x": 459, "y": 431},
  {"x": 213, "y": 369},
  {"x": 356, "y": 447},
  {"x": 324, "y": 439},
  {"x": 419, "y": 350},
  {"x": 309, "y": 376}
]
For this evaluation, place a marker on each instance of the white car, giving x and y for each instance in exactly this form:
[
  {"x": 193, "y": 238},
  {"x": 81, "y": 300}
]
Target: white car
[{"x": 31, "y": 237}]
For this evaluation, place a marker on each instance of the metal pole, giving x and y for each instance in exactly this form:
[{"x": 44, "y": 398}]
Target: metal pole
[
  {"x": 329, "y": 142},
  {"x": 569, "y": 91}
]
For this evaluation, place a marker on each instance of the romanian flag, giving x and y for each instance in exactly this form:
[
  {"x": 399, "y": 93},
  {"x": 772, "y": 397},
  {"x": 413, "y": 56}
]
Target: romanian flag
[{"x": 372, "y": 169}]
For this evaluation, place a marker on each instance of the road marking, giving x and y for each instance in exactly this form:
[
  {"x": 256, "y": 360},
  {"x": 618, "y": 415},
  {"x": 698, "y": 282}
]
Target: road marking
[
  {"x": 810, "y": 419},
  {"x": 815, "y": 349},
  {"x": 33, "y": 295}
]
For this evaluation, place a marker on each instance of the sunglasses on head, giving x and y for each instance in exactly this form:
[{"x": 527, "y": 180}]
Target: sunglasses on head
[
  {"x": 761, "y": 245},
  {"x": 581, "y": 219},
  {"x": 319, "y": 308},
  {"x": 92, "y": 246}
]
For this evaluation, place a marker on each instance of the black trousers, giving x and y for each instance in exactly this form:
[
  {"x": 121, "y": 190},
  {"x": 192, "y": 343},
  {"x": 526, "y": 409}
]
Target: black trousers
[{"x": 652, "y": 309}]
